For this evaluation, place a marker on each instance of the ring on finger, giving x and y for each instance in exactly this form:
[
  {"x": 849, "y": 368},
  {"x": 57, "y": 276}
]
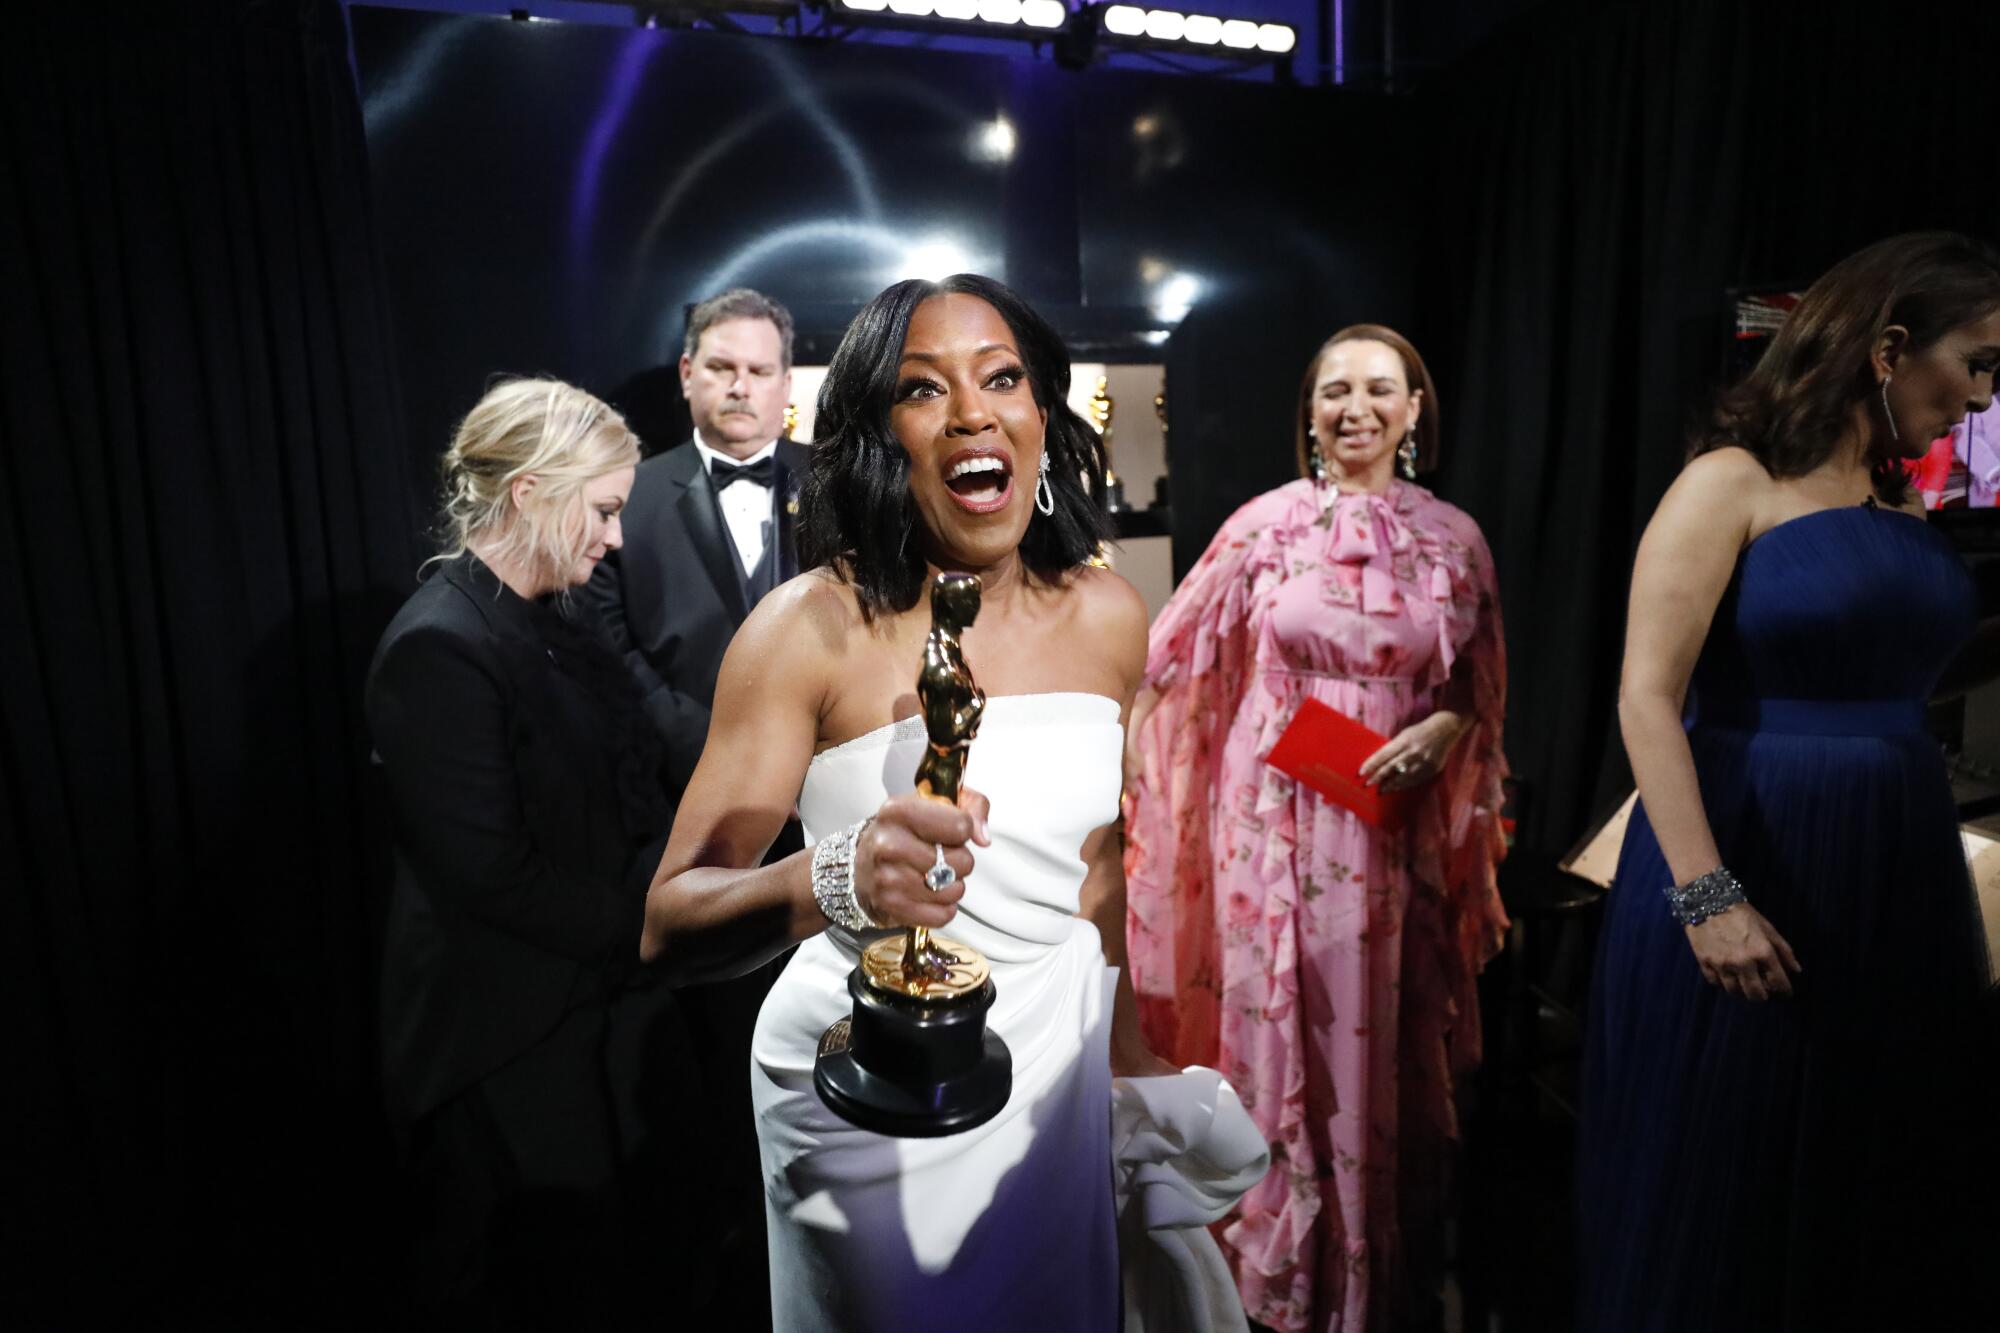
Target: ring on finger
[{"x": 940, "y": 876}]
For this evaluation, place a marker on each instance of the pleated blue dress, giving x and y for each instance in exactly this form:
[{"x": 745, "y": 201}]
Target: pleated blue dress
[{"x": 1801, "y": 1163}]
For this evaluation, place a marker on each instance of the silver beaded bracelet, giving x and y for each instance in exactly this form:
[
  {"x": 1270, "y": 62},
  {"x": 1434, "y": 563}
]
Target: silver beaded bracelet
[
  {"x": 833, "y": 879},
  {"x": 1704, "y": 896}
]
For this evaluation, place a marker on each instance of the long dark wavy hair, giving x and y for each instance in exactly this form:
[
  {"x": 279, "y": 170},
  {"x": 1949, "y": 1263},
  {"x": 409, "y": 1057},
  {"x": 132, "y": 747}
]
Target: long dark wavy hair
[
  {"x": 1429, "y": 418},
  {"x": 1792, "y": 408},
  {"x": 855, "y": 511}
]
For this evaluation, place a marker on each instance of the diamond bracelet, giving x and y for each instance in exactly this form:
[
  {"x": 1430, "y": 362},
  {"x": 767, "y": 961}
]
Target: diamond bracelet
[
  {"x": 1704, "y": 896},
  {"x": 833, "y": 879}
]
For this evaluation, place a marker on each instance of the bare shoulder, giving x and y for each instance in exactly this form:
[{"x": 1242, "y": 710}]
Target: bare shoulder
[
  {"x": 1113, "y": 614},
  {"x": 1108, "y": 593},
  {"x": 800, "y": 630},
  {"x": 1721, "y": 472},
  {"x": 1721, "y": 491}
]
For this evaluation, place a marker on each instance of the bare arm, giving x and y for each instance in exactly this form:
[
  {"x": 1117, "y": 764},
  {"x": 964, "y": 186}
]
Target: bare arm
[
  {"x": 712, "y": 910},
  {"x": 1120, "y": 615},
  {"x": 1684, "y": 565}
]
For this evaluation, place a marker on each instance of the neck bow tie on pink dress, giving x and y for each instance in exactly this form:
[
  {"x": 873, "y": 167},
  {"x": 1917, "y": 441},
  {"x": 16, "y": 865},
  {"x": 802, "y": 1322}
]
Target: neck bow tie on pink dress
[{"x": 1367, "y": 531}]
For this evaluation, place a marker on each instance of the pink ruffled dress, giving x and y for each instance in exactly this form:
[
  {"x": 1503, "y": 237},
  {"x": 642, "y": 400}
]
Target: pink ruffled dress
[{"x": 1325, "y": 967}]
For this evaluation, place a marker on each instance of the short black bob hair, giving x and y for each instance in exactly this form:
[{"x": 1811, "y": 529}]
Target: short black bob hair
[{"x": 855, "y": 512}]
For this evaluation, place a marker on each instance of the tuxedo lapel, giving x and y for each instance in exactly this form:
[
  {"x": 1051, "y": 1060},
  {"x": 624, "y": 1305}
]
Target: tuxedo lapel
[
  {"x": 785, "y": 510},
  {"x": 703, "y": 517}
]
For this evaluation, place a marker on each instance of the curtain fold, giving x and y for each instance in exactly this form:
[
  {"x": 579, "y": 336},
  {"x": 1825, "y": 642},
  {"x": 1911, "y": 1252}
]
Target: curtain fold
[
  {"x": 1602, "y": 174},
  {"x": 205, "y": 519}
]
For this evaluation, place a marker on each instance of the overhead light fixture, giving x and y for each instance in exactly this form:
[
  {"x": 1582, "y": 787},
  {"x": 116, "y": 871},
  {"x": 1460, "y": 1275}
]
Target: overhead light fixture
[
  {"x": 1076, "y": 35},
  {"x": 1125, "y": 20},
  {"x": 1202, "y": 30},
  {"x": 996, "y": 15},
  {"x": 1172, "y": 29},
  {"x": 1276, "y": 38}
]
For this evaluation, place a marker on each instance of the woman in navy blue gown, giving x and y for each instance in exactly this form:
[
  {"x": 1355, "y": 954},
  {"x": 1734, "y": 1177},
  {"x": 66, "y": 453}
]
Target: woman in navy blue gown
[{"x": 1784, "y": 1026}]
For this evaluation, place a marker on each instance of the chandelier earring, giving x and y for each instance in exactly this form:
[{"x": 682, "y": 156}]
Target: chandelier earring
[
  {"x": 1894, "y": 434},
  {"x": 1045, "y": 495},
  {"x": 1406, "y": 454},
  {"x": 1313, "y": 458}
]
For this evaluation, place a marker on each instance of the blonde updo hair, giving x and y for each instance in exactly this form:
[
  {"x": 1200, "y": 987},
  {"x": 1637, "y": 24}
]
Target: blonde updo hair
[{"x": 555, "y": 431}]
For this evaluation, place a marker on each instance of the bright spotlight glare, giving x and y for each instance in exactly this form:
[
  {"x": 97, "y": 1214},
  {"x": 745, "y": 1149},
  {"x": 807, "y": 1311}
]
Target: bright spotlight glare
[
  {"x": 913, "y": 9},
  {"x": 932, "y": 260},
  {"x": 1173, "y": 298},
  {"x": 865, "y": 6},
  {"x": 1125, "y": 20},
  {"x": 1239, "y": 34},
  {"x": 1275, "y": 38},
  {"x": 1164, "y": 25},
  {"x": 957, "y": 9},
  {"x": 1203, "y": 30},
  {"x": 994, "y": 140},
  {"x": 1044, "y": 13},
  {"x": 1000, "y": 11}
]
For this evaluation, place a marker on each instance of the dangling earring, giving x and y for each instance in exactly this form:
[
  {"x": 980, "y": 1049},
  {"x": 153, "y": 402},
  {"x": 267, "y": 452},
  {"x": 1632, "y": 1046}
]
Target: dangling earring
[
  {"x": 1045, "y": 495},
  {"x": 1406, "y": 454},
  {"x": 1895, "y": 436},
  {"x": 1313, "y": 460}
]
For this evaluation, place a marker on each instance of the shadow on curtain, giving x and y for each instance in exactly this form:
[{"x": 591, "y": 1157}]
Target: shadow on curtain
[{"x": 205, "y": 520}]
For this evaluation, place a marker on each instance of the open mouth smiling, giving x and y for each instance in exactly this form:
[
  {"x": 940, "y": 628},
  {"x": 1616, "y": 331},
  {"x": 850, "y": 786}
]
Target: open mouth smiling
[{"x": 981, "y": 480}]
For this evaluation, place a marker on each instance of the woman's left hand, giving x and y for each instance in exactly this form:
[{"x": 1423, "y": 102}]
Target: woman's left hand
[{"x": 1417, "y": 753}]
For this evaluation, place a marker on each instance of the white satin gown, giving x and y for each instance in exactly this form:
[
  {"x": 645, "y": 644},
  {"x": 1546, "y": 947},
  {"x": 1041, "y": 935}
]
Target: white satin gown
[{"x": 1010, "y": 1226}]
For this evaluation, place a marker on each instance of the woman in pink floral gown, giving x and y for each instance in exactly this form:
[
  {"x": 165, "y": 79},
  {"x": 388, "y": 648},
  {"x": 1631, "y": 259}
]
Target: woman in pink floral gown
[{"x": 1325, "y": 966}]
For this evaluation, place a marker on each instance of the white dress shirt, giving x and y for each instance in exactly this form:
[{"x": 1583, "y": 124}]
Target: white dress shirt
[{"x": 746, "y": 506}]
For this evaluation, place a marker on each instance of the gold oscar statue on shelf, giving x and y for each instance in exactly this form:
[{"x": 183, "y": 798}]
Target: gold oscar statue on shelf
[
  {"x": 915, "y": 1058},
  {"x": 1102, "y": 408}
]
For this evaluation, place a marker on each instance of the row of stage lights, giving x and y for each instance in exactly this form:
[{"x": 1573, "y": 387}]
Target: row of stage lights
[
  {"x": 1045, "y": 14},
  {"x": 1125, "y": 25},
  {"x": 1172, "y": 26}
]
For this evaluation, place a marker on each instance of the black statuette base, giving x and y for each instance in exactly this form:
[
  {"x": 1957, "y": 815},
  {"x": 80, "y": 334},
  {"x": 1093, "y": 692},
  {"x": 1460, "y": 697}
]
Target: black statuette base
[{"x": 910, "y": 1070}]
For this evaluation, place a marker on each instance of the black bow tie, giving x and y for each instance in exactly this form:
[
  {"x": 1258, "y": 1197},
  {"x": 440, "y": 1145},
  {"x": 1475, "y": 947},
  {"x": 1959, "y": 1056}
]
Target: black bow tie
[{"x": 721, "y": 473}]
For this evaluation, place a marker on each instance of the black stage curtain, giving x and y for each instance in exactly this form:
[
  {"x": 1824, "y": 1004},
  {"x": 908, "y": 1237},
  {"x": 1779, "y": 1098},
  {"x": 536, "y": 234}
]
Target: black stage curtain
[
  {"x": 1603, "y": 174},
  {"x": 205, "y": 519}
]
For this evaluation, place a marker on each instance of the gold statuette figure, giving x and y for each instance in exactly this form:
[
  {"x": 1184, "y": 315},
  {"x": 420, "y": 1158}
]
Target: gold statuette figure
[
  {"x": 919, "y": 964},
  {"x": 915, "y": 1058}
]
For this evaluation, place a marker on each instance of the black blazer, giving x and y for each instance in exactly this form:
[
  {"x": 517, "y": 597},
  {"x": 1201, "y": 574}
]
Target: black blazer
[
  {"x": 672, "y": 599},
  {"x": 526, "y": 834}
]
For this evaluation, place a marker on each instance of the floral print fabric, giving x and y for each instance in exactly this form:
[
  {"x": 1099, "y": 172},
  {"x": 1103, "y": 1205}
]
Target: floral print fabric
[{"x": 1324, "y": 966}]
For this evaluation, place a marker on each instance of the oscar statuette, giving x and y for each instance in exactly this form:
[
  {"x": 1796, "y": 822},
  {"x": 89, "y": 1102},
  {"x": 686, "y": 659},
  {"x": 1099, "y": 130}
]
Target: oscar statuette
[{"x": 915, "y": 1058}]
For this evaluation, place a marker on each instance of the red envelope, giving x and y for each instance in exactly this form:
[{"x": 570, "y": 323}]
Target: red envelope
[{"x": 1324, "y": 750}]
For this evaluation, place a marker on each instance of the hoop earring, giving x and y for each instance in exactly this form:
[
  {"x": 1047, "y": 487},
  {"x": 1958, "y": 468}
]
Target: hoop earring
[
  {"x": 1406, "y": 454},
  {"x": 1045, "y": 495},
  {"x": 1895, "y": 436}
]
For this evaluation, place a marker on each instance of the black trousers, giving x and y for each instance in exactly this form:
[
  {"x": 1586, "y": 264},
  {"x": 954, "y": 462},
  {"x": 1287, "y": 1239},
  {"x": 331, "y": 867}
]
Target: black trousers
[{"x": 516, "y": 1209}]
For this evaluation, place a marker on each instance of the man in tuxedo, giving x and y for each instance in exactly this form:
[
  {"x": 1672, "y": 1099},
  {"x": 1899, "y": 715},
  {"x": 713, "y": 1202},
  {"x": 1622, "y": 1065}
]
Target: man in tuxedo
[
  {"x": 708, "y": 531},
  {"x": 708, "y": 527}
]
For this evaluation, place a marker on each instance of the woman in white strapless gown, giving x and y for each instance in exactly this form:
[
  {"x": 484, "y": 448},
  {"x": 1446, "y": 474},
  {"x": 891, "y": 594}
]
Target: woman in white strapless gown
[
  {"x": 941, "y": 419},
  {"x": 923, "y": 1216}
]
